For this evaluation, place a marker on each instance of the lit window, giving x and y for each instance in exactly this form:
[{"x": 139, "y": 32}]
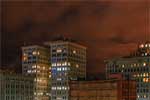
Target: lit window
[
  {"x": 146, "y": 45},
  {"x": 144, "y": 64},
  {"x": 77, "y": 66},
  {"x": 35, "y": 79},
  {"x": 144, "y": 74},
  {"x": 58, "y": 79},
  {"x": 69, "y": 64},
  {"x": 63, "y": 88},
  {"x": 38, "y": 53},
  {"x": 58, "y": 64},
  {"x": 34, "y": 66},
  {"x": 59, "y": 50},
  {"x": 34, "y": 71},
  {"x": 147, "y": 74},
  {"x": 34, "y": 52},
  {"x": 43, "y": 67},
  {"x": 53, "y": 88},
  {"x": 134, "y": 75},
  {"x": 144, "y": 96},
  {"x": 38, "y": 66},
  {"x": 25, "y": 58},
  {"x": 74, "y": 51},
  {"x": 65, "y": 69},
  {"x": 135, "y": 65},
  {"x": 24, "y": 54},
  {"x": 65, "y": 63},
  {"x": 34, "y": 93},
  {"x": 53, "y": 64},
  {"x": 141, "y": 46},
  {"x": 145, "y": 79},
  {"x": 58, "y": 88},
  {"x": 29, "y": 71},
  {"x": 58, "y": 69}
]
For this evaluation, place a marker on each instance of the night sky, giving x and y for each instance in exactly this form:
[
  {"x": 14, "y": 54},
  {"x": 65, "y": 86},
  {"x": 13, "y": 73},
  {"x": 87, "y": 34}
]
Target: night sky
[{"x": 108, "y": 29}]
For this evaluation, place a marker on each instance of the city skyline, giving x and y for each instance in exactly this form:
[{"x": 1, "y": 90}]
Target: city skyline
[{"x": 107, "y": 28}]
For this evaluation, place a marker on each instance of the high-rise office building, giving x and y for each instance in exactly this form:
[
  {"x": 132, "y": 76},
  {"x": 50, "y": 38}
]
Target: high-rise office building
[
  {"x": 68, "y": 62},
  {"x": 136, "y": 67},
  {"x": 15, "y": 86},
  {"x": 35, "y": 62}
]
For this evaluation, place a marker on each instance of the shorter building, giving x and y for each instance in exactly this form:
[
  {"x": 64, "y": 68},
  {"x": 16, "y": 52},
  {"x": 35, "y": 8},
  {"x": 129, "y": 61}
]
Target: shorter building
[
  {"x": 15, "y": 86},
  {"x": 103, "y": 90}
]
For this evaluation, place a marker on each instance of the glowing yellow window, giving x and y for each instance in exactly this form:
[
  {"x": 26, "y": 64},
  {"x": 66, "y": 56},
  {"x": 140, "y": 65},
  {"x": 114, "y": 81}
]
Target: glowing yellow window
[
  {"x": 34, "y": 52},
  {"x": 59, "y": 50},
  {"x": 74, "y": 51}
]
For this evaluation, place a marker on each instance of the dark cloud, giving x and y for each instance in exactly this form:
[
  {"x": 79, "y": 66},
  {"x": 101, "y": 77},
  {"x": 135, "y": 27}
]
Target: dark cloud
[{"x": 108, "y": 29}]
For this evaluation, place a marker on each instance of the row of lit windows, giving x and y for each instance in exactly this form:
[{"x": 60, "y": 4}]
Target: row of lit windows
[
  {"x": 142, "y": 75},
  {"x": 146, "y": 80},
  {"x": 60, "y": 68},
  {"x": 142, "y": 96},
  {"x": 61, "y": 64},
  {"x": 60, "y": 88},
  {"x": 31, "y": 53},
  {"x": 145, "y": 69},
  {"x": 34, "y": 59},
  {"x": 144, "y": 45},
  {"x": 64, "y": 64},
  {"x": 130, "y": 65},
  {"x": 41, "y": 93},
  {"x": 39, "y": 67},
  {"x": 74, "y": 51},
  {"x": 135, "y": 65},
  {"x": 40, "y": 80}
]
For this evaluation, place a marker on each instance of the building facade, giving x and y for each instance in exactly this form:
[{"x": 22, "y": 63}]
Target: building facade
[
  {"x": 136, "y": 67},
  {"x": 68, "y": 61},
  {"x": 35, "y": 62},
  {"x": 103, "y": 90},
  {"x": 16, "y": 87}
]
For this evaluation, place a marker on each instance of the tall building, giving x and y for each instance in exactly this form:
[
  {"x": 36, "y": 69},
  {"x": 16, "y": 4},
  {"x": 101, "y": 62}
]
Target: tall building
[
  {"x": 137, "y": 67},
  {"x": 15, "y": 86},
  {"x": 35, "y": 62},
  {"x": 113, "y": 89},
  {"x": 68, "y": 62}
]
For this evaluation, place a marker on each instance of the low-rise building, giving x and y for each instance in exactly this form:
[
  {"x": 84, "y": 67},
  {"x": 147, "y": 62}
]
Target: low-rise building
[
  {"x": 103, "y": 90},
  {"x": 15, "y": 86}
]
